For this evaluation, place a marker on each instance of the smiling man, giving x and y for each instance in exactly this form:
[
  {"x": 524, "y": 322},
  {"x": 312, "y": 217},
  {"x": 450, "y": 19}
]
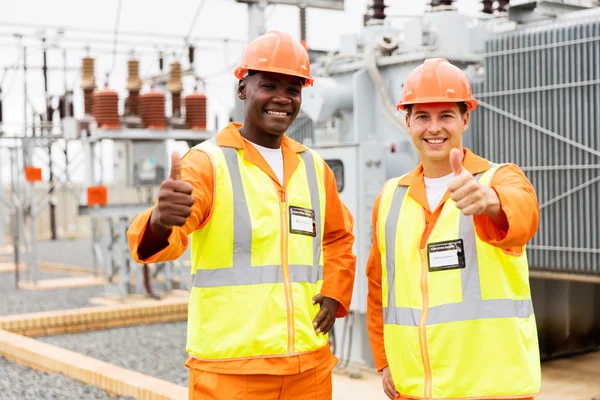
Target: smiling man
[
  {"x": 271, "y": 242},
  {"x": 449, "y": 305}
]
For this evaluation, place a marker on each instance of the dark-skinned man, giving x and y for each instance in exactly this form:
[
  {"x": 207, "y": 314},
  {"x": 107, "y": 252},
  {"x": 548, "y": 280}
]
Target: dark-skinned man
[{"x": 271, "y": 242}]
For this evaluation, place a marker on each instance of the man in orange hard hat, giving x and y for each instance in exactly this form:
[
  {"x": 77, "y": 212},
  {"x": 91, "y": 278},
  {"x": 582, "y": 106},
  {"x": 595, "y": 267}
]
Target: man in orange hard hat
[
  {"x": 271, "y": 242},
  {"x": 449, "y": 304}
]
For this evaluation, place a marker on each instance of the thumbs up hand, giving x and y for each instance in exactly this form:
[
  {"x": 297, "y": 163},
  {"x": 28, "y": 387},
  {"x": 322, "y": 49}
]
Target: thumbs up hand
[
  {"x": 470, "y": 197},
  {"x": 175, "y": 200}
]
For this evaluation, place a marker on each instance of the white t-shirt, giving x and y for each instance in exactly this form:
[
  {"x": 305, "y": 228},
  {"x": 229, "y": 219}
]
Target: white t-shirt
[
  {"x": 274, "y": 157},
  {"x": 435, "y": 188}
]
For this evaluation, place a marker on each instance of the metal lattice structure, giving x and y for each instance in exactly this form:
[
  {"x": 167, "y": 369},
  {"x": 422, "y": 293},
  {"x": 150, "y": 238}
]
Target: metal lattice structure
[{"x": 540, "y": 109}]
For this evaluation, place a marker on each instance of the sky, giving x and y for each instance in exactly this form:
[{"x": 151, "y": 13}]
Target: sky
[{"x": 214, "y": 59}]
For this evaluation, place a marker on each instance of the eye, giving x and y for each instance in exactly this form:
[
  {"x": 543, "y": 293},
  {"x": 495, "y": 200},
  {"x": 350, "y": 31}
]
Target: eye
[
  {"x": 446, "y": 116},
  {"x": 421, "y": 117},
  {"x": 268, "y": 86},
  {"x": 294, "y": 90}
]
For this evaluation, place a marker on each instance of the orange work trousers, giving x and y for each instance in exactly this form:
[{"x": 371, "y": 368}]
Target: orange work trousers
[{"x": 314, "y": 384}]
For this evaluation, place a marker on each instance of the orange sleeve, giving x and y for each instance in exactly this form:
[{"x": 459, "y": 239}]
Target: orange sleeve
[
  {"x": 338, "y": 239},
  {"x": 374, "y": 304},
  {"x": 520, "y": 204},
  {"x": 198, "y": 170}
]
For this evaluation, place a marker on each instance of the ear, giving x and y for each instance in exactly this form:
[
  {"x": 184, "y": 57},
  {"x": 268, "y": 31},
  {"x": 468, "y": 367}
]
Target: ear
[
  {"x": 407, "y": 120},
  {"x": 466, "y": 119},
  {"x": 241, "y": 91}
]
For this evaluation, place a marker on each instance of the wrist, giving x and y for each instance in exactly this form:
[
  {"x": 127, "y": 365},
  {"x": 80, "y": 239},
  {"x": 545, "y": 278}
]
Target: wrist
[
  {"x": 492, "y": 208},
  {"x": 156, "y": 227}
]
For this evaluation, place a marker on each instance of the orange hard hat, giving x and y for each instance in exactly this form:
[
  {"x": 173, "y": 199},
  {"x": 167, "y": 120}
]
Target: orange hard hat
[
  {"x": 276, "y": 52},
  {"x": 437, "y": 81}
]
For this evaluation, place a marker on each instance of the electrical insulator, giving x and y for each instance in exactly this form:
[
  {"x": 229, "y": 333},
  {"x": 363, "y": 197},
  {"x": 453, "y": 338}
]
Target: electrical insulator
[
  {"x": 435, "y": 3},
  {"x": 195, "y": 111},
  {"x": 106, "y": 108},
  {"x": 152, "y": 109},
  {"x": 174, "y": 84},
  {"x": 133, "y": 75},
  {"x": 88, "y": 83},
  {"x": 378, "y": 9},
  {"x": 503, "y": 6},
  {"x": 191, "y": 51},
  {"x": 488, "y": 6}
]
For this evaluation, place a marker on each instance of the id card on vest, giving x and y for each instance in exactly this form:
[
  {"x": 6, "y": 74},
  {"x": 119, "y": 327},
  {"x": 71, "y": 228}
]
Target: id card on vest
[
  {"x": 446, "y": 255},
  {"x": 302, "y": 221}
]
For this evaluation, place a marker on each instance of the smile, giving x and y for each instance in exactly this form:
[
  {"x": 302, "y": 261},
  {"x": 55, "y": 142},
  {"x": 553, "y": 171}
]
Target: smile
[
  {"x": 278, "y": 113},
  {"x": 435, "y": 141}
]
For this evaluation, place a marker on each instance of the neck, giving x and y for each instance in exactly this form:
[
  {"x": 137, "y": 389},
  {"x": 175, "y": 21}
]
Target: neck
[
  {"x": 261, "y": 138},
  {"x": 436, "y": 169}
]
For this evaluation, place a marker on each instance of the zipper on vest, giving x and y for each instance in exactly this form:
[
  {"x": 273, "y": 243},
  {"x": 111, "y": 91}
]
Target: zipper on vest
[
  {"x": 287, "y": 286},
  {"x": 423, "y": 326}
]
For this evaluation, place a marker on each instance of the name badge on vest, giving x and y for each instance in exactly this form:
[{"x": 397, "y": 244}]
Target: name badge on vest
[
  {"x": 302, "y": 221},
  {"x": 447, "y": 255}
]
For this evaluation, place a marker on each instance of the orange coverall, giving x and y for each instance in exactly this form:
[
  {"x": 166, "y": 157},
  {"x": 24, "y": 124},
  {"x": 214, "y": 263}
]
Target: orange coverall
[
  {"x": 518, "y": 201},
  {"x": 312, "y": 371}
]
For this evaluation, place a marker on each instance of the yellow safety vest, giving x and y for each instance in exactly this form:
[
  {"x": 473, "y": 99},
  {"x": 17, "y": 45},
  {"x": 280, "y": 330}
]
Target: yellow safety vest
[
  {"x": 458, "y": 333},
  {"x": 253, "y": 279}
]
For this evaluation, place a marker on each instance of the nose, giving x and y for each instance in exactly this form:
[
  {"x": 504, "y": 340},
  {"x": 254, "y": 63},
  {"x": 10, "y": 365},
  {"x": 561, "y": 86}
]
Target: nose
[
  {"x": 435, "y": 127},
  {"x": 281, "y": 96}
]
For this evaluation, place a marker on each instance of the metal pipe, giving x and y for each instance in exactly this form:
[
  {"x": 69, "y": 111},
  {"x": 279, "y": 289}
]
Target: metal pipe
[
  {"x": 1, "y": 203},
  {"x": 48, "y": 120},
  {"x": 25, "y": 90}
]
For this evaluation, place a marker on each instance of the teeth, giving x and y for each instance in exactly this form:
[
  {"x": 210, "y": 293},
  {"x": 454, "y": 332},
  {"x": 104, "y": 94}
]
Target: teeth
[
  {"x": 434, "y": 141},
  {"x": 277, "y": 113}
]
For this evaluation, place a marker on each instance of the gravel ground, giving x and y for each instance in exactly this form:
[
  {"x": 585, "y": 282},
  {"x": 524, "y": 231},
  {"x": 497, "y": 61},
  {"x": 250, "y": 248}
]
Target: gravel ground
[
  {"x": 20, "y": 301},
  {"x": 157, "y": 350},
  {"x": 72, "y": 252},
  {"x": 18, "y": 382}
]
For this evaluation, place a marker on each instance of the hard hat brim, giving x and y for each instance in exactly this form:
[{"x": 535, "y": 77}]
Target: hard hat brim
[
  {"x": 241, "y": 70},
  {"x": 471, "y": 103}
]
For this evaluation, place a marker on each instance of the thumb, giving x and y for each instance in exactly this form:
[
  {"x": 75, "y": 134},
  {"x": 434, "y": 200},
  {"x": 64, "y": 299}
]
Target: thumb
[
  {"x": 175, "y": 166},
  {"x": 456, "y": 161},
  {"x": 318, "y": 299}
]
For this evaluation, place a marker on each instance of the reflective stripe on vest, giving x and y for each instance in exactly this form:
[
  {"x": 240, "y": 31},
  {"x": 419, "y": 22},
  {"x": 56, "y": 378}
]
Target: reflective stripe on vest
[
  {"x": 242, "y": 272},
  {"x": 473, "y": 307}
]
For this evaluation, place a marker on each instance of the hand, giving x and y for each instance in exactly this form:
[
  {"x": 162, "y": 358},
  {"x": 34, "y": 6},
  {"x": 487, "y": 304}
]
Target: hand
[
  {"x": 175, "y": 199},
  {"x": 325, "y": 319},
  {"x": 388, "y": 384},
  {"x": 470, "y": 197}
]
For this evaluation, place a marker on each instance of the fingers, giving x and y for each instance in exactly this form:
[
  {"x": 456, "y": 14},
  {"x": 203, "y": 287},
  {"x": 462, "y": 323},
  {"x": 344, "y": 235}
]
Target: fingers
[
  {"x": 467, "y": 189},
  {"x": 456, "y": 161},
  {"x": 473, "y": 198},
  {"x": 171, "y": 198},
  {"x": 388, "y": 387},
  {"x": 175, "y": 166},
  {"x": 321, "y": 323},
  {"x": 318, "y": 299}
]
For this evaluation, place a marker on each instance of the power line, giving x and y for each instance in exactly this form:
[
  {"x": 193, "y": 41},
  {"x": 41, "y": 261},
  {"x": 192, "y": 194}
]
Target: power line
[
  {"x": 200, "y": 7},
  {"x": 121, "y": 33},
  {"x": 116, "y": 34}
]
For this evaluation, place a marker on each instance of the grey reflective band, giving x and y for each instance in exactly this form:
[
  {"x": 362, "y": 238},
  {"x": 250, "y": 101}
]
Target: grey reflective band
[
  {"x": 313, "y": 187},
  {"x": 472, "y": 306},
  {"x": 242, "y": 272},
  {"x": 237, "y": 276},
  {"x": 454, "y": 312},
  {"x": 391, "y": 224},
  {"x": 242, "y": 226}
]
